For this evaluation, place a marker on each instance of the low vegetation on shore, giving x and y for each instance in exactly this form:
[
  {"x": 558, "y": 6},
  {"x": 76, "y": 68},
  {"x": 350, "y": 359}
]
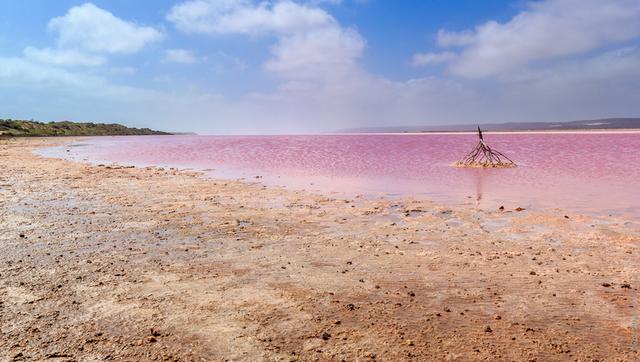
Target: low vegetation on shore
[{"x": 22, "y": 128}]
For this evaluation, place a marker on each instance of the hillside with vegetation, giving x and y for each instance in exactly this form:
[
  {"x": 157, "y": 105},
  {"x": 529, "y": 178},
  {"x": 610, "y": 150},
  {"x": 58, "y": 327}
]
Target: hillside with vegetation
[{"x": 22, "y": 128}]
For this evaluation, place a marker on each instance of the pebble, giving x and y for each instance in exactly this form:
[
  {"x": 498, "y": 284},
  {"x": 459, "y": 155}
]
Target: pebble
[{"x": 350, "y": 306}]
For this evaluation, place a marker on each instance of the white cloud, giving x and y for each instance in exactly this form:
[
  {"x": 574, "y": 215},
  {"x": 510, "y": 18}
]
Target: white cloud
[
  {"x": 330, "y": 2},
  {"x": 311, "y": 43},
  {"x": 545, "y": 31},
  {"x": 122, "y": 70},
  {"x": 243, "y": 17},
  {"x": 91, "y": 28},
  {"x": 180, "y": 56},
  {"x": 19, "y": 73},
  {"x": 431, "y": 58},
  {"x": 452, "y": 39},
  {"x": 86, "y": 33},
  {"x": 65, "y": 57},
  {"x": 323, "y": 53},
  {"x": 17, "y": 70}
]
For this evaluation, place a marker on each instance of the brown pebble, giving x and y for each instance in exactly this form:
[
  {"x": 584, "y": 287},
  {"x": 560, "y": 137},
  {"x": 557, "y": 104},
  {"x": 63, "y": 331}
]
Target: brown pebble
[{"x": 350, "y": 306}]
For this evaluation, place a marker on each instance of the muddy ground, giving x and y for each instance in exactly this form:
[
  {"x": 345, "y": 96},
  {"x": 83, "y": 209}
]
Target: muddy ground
[{"x": 137, "y": 264}]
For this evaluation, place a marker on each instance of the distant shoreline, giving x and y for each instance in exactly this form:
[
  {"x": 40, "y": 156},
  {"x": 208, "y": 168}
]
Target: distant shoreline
[
  {"x": 604, "y": 124},
  {"x": 576, "y": 131}
]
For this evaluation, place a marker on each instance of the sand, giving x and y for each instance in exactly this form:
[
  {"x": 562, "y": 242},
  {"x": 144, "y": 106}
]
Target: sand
[{"x": 113, "y": 263}]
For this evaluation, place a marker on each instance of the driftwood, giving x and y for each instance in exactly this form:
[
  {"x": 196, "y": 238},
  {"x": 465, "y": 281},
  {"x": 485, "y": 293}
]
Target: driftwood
[{"x": 484, "y": 156}]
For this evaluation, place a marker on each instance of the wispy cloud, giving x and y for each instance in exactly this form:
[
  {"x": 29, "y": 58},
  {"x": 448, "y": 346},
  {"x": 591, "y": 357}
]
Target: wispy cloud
[
  {"x": 64, "y": 57},
  {"x": 545, "y": 30},
  {"x": 180, "y": 56},
  {"x": 244, "y": 17},
  {"x": 431, "y": 58}
]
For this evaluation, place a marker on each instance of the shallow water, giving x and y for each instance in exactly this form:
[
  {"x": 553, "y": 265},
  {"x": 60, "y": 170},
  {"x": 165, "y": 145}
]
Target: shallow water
[{"x": 587, "y": 172}]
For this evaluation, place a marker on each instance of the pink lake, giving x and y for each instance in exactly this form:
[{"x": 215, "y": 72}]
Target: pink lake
[{"x": 582, "y": 172}]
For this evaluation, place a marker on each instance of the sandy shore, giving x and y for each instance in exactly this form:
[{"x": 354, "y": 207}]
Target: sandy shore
[{"x": 109, "y": 263}]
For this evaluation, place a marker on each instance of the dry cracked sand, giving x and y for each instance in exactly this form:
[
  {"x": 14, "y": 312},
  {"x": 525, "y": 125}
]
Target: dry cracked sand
[{"x": 148, "y": 264}]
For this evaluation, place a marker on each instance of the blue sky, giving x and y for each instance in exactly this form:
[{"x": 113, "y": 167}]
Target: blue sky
[{"x": 284, "y": 66}]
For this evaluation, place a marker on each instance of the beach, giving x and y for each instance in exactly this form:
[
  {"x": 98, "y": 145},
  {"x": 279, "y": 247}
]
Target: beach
[{"x": 103, "y": 262}]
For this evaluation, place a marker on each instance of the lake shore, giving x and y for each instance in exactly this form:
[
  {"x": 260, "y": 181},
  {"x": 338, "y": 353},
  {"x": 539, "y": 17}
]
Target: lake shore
[{"x": 120, "y": 263}]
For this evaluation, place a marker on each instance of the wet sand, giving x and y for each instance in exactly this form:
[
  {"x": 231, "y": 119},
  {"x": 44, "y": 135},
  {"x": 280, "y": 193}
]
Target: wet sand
[{"x": 113, "y": 263}]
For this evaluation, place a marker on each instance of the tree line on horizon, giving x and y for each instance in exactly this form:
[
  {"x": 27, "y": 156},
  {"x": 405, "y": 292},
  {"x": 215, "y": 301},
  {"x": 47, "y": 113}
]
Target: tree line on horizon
[{"x": 24, "y": 128}]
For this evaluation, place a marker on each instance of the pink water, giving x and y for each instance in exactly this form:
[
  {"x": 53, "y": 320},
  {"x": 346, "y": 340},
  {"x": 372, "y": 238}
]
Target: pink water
[{"x": 576, "y": 172}]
